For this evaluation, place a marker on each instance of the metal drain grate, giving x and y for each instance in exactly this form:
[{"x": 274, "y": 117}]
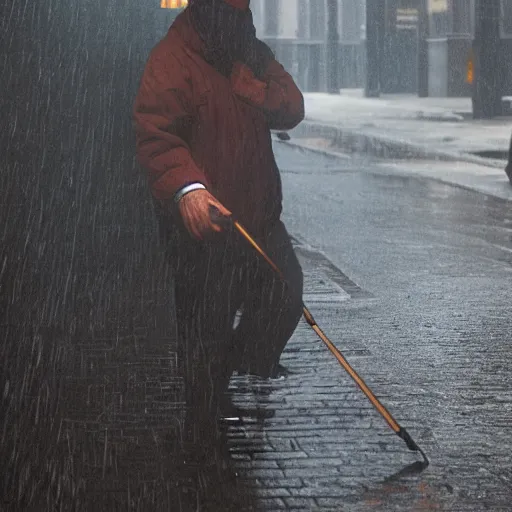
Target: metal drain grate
[
  {"x": 323, "y": 281},
  {"x": 319, "y": 288}
]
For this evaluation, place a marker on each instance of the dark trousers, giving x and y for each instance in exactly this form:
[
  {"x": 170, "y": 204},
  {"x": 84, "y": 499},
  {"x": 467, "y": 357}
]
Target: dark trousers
[{"x": 214, "y": 281}]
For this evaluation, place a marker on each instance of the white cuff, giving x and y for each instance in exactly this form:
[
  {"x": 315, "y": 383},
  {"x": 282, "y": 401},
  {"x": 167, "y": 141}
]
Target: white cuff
[{"x": 185, "y": 190}]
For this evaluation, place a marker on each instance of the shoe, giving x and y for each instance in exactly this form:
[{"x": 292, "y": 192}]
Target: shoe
[
  {"x": 280, "y": 372},
  {"x": 235, "y": 414}
]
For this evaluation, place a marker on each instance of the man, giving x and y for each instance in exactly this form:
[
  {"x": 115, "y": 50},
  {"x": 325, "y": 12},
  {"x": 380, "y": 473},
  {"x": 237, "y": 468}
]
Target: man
[{"x": 209, "y": 96}]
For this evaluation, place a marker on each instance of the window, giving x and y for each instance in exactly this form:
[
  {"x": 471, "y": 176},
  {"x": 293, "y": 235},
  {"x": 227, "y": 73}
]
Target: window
[
  {"x": 271, "y": 18},
  {"x": 317, "y": 21},
  {"x": 302, "y": 31},
  {"x": 462, "y": 16},
  {"x": 439, "y": 19},
  {"x": 257, "y": 14},
  {"x": 350, "y": 21}
]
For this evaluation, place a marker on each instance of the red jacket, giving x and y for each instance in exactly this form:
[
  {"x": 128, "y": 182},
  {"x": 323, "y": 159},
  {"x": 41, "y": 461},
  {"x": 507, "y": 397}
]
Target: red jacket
[{"x": 195, "y": 125}]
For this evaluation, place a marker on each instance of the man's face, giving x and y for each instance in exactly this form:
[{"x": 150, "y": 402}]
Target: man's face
[{"x": 226, "y": 29}]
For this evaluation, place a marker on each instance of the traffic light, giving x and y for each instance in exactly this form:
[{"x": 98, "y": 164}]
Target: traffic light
[{"x": 173, "y": 4}]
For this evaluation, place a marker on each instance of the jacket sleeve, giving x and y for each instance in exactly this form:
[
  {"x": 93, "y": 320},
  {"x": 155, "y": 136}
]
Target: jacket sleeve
[
  {"x": 163, "y": 117},
  {"x": 275, "y": 93}
]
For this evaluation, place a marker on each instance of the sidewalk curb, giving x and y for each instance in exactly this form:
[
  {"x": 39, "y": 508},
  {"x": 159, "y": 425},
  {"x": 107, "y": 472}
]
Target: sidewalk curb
[
  {"x": 353, "y": 141},
  {"x": 310, "y": 148}
]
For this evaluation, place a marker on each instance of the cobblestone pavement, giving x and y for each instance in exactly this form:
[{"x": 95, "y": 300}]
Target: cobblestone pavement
[
  {"x": 410, "y": 279},
  {"x": 328, "y": 449},
  {"x": 429, "y": 331}
]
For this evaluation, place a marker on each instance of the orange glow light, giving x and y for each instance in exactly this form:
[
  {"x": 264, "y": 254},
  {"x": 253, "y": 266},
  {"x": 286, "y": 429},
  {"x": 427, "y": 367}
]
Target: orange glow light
[{"x": 173, "y": 4}]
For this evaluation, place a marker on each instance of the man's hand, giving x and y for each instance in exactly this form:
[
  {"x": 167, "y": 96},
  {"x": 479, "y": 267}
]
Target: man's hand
[{"x": 195, "y": 211}]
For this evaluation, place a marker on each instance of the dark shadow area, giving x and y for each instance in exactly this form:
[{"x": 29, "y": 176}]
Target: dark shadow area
[
  {"x": 90, "y": 388},
  {"x": 411, "y": 469}
]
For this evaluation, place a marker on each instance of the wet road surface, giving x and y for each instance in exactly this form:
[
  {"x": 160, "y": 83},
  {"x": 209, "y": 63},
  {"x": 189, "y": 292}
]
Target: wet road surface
[{"x": 425, "y": 318}]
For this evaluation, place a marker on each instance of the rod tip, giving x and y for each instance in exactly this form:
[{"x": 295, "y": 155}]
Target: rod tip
[
  {"x": 426, "y": 462},
  {"x": 411, "y": 444}
]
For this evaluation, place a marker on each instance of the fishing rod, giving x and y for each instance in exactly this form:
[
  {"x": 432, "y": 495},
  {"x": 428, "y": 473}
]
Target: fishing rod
[{"x": 395, "y": 426}]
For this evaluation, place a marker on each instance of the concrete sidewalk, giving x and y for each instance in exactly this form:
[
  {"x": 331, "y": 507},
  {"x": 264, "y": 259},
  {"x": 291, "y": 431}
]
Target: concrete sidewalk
[{"x": 405, "y": 126}]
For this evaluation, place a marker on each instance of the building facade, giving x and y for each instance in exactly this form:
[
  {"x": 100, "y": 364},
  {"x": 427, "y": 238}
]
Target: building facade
[{"x": 297, "y": 31}]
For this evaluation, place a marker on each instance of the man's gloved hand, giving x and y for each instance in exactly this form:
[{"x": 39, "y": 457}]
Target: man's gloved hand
[
  {"x": 195, "y": 209},
  {"x": 246, "y": 85}
]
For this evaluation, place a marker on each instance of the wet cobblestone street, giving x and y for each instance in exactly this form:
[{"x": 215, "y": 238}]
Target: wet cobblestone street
[
  {"x": 415, "y": 292},
  {"x": 410, "y": 278},
  {"x": 328, "y": 449}
]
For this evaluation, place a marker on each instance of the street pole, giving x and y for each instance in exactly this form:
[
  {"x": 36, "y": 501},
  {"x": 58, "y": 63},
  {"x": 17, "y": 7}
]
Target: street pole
[
  {"x": 375, "y": 24},
  {"x": 422, "y": 48},
  {"x": 333, "y": 85},
  {"x": 487, "y": 84}
]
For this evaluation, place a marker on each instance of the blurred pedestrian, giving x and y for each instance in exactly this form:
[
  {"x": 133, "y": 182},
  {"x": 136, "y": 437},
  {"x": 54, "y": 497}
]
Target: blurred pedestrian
[
  {"x": 209, "y": 96},
  {"x": 508, "y": 168}
]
